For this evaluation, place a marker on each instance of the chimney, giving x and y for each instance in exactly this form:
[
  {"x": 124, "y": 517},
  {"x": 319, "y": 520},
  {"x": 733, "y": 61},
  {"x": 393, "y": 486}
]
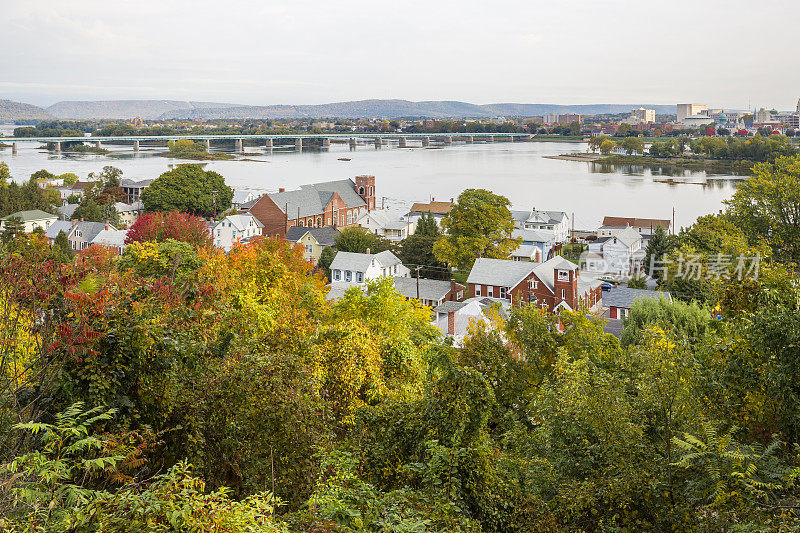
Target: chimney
[
  {"x": 451, "y": 322},
  {"x": 453, "y": 292},
  {"x": 367, "y": 251},
  {"x": 451, "y": 201},
  {"x": 108, "y": 227},
  {"x": 81, "y": 220},
  {"x": 433, "y": 199},
  {"x": 479, "y": 255},
  {"x": 74, "y": 221},
  {"x": 281, "y": 189}
]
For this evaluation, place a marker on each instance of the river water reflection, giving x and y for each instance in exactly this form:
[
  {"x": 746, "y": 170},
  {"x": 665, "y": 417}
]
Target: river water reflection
[{"x": 517, "y": 170}]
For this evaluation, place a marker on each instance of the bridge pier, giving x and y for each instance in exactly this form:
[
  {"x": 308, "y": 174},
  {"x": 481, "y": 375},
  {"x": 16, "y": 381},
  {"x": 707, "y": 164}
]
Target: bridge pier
[
  {"x": 352, "y": 143},
  {"x": 490, "y": 138},
  {"x": 426, "y": 141},
  {"x": 13, "y": 148},
  {"x": 268, "y": 144},
  {"x": 97, "y": 144},
  {"x": 239, "y": 145},
  {"x": 511, "y": 138},
  {"x": 298, "y": 145},
  {"x": 378, "y": 142},
  {"x": 208, "y": 145},
  {"x": 401, "y": 143},
  {"x": 58, "y": 146},
  {"x": 469, "y": 139},
  {"x": 326, "y": 143},
  {"x": 135, "y": 147},
  {"x": 447, "y": 140}
]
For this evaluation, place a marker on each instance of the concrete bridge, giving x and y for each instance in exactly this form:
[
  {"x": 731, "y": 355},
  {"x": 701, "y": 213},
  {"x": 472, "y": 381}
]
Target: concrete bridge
[{"x": 378, "y": 139}]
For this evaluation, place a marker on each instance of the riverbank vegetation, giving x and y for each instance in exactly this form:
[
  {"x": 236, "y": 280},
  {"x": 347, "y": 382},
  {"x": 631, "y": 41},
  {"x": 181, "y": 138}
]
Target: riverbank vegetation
[
  {"x": 180, "y": 388},
  {"x": 194, "y": 150}
]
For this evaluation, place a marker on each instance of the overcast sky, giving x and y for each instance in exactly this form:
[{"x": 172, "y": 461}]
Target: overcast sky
[{"x": 726, "y": 53}]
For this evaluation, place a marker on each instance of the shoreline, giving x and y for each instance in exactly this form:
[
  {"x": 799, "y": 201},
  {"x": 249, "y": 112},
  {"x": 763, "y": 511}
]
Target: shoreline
[{"x": 744, "y": 167}]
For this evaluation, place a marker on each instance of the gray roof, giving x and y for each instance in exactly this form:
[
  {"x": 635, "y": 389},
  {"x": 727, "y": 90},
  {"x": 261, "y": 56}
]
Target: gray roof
[
  {"x": 247, "y": 205},
  {"x": 429, "y": 289},
  {"x": 499, "y": 272},
  {"x": 449, "y": 306},
  {"x": 241, "y": 222},
  {"x": 312, "y": 199},
  {"x": 534, "y": 235},
  {"x": 240, "y": 197},
  {"x": 68, "y": 209},
  {"x": 539, "y": 217},
  {"x": 325, "y": 235},
  {"x": 624, "y": 296},
  {"x": 129, "y": 183},
  {"x": 90, "y": 230},
  {"x": 111, "y": 237},
  {"x": 28, "y": 216},
  {"x": 360, "y": 262},
  {"x": 57, "y": 227}
]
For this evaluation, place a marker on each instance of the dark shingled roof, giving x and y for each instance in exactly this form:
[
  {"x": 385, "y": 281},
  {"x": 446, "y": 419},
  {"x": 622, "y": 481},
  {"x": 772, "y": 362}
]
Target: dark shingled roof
[
  {"x": 325, "y": 236},
  {"x": 624, "y": 297}
]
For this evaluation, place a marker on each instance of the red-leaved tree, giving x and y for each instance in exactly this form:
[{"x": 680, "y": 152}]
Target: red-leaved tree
[{"x": 159, "y": 227}]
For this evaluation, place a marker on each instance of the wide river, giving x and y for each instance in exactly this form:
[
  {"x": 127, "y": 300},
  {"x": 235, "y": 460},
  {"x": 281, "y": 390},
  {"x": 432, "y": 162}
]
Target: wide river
[{"x": 517, "y": 170}]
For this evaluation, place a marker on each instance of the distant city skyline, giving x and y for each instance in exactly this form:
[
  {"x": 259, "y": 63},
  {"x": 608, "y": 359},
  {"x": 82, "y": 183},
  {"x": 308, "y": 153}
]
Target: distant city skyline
[{"x": 304, "y": 52}]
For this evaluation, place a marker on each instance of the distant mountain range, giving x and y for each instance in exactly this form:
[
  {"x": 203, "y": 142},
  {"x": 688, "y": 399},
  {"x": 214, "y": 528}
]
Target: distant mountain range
[
  {"x": 10, "y": 110},
  {"x": 177, "y": 109}
]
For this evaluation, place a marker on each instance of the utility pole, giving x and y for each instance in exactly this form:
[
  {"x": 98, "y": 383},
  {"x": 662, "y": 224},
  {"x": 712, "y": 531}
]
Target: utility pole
[
  {"x": 673, "y": 221},
  {"x": 214, "y": 194},
  {"x": 417, "y": 271}
]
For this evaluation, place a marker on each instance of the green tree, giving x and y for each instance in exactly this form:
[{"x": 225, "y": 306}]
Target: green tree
[
  {"x": 767, "y": 207},
  {"x": 13, "y": 227},
  {"x": 417, "y": 250},
  {"x": 596, "y": 142},
  {"x": 358, "y": 240},
  {"x": 62, "y": 248},
  {"x": 681, "y": 319},
  {"x": 5, "y": 174},
  {"x": 479, "y": 223},
  {"x": 632, "y": 145},
  {"x": 90, "y": 211},
  {"x": 658, "y": 247},
  {"x": 607, "y": 146},
  {"x": 326, "y": 257},
  {"x": 188, "y": 189}
]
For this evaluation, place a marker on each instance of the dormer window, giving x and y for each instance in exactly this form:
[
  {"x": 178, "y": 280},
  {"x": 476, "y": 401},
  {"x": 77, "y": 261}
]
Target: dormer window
[
  {"x": 563, "y": 275},
  {"x": 533, "y": 284}
]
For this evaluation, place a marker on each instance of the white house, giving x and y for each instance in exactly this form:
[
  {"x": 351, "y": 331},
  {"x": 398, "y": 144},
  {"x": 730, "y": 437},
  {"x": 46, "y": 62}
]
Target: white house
[
  {"x": 242, "y": 197},
  {"x": 349, "y": 269},
  {"x": 454, "y": 318},
  {"x": 387, "y": 224},
  {"x": 235, "y": 228},
  {"x": 31, "y": 220},
  {"x": 617, "y": 254},
  {"x": 555, "y": 221}
]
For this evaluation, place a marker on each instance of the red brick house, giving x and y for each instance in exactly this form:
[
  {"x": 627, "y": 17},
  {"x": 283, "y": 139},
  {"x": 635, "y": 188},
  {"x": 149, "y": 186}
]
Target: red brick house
[
  {"x": 552, "y": 285},
  {"x": 334, "y": 203}
]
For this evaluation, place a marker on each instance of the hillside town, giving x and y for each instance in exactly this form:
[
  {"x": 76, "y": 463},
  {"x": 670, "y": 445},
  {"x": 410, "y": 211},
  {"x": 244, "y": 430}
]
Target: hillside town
[{"x": 533, "y": 272}]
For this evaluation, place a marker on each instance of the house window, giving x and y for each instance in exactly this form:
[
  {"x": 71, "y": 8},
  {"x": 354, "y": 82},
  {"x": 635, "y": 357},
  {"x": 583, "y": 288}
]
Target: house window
[
  {"x": 300, "y": 223},
  {"x": 309, "y": 248},
  {"x": 563, "y": 275},
  {"x": 533, "y": 284},
  {"x": 490, "y": 291},
  {"x": 319, "y": 222},
  {"x": 460, "y": 295},
  {"x": 348, "y": 275},
  {"x": 477, "y": 290},
  {"x": 337, "y": 275},
  {"x": 502, "y": 292},
  {"x": 359, "y": 277},
  {"x": 563, "y": 294},
  {"x": 370, "y": 191},
  {"x": 395, "y": 269}
]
